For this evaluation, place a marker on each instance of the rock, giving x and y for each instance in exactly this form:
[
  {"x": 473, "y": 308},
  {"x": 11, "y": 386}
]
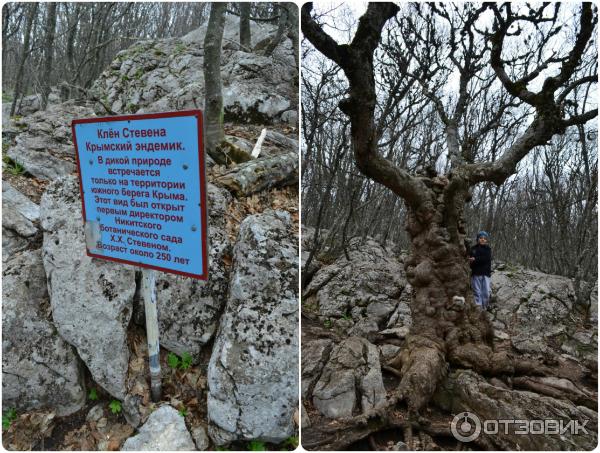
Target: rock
[
  {"x": 465, "y": 391},
  {"x": 32, "y": 103},
  {"x": 200, "y": 438},
  {"x": 164, "y": 430},
  {"x": 367, "y": 287},
  {"x": 290, "y": 117},
  {"x": 537, "y": 313},
  {"x": 131, "y": 409},
  {"x": 21, "y": 203},
  {"x": 39, "y": 369},
  {"x": 189, "y": 309},
  {"x": 314, "y": 356},
  {"x": 388, "y": 352},
  {"x": 402, "y": 316},
  {"x": 167, "y": 74},
  {"x": 398, "y": 332},
  {"x": 31, "y": 153},
  {"x": 44, "y": 145},
  {"x": 19, "y": 221},
  {"x": 351, "y": 380},
  {"x": 400, "y": 446},
  {"x": 95, "y": 413},
  {"x": 12, "y": 243},
  {"x": 253, "y": 370},
  {"x": 91, "y": 298}
]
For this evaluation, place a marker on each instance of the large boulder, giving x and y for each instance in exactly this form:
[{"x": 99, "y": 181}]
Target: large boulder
[
  {"x": 44, "y": 146},
  {"x": 351, "y": 381},
  {"x": 20, "y": 218},
  {"x": 164, "y": 430},
  {"x": 253, "y": 370},
  {"x": 361, "y": 294},
  {"x": 167, "y": 74},
  {"x": 466, "y": 391},
  {"x": 189, "y": 309},
  {"x": 91, "y": 298},
  {"x": 39, "y": 369},
  {"x": 537, "y": 312}
]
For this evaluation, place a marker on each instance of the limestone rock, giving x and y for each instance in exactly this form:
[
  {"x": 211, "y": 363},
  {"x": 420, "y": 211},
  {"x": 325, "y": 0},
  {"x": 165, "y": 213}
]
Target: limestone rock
[
  {"x": 44, "y": 145},
  {"x": 189, "y": 309},
  {"x": 39, "y": 369},
  {"x": 200, "y": 438},
  {"x": 20, "y": 217},
  {"x": 253, "y": 370},
  {"x": 537, "y": 311},
  {"x": 33, "y": 102},
  {"x": 167, "y": 74},
  {"x": 164, "y": 430},
  {"x": 91, "y": 298},
  {"x": 366, "y": 288},
  {"x": 351, "y": 380}
]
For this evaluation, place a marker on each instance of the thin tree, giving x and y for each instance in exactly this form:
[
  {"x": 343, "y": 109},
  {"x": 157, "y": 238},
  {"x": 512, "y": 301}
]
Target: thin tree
[
  {"x": 245, "y": 36},
  {"x": 31, "y": 13},
  {"x": 48, "y": 52},
  {"x": 447, "y": 326},
  {"x": 213, "y": 103}
]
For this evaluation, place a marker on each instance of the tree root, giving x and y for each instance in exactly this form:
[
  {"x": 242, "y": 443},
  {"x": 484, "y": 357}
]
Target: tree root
[{"x": 559, "y": 389}]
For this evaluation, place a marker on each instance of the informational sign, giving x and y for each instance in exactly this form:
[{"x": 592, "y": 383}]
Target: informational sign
[{"x": 143, "y": 190}]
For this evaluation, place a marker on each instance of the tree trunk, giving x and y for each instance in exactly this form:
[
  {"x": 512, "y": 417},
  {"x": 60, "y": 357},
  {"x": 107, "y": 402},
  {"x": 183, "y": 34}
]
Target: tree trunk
[
  {"x": 48, "y": 52},
  {"x": 245, "y": 37},
  {"x": 256, "y": 175},
  {"x": 72, "y": 23},
  {"x": 24, "y": 54},
  {"x": 213, "y": 104},
  {"x": 274, "y": 41}
]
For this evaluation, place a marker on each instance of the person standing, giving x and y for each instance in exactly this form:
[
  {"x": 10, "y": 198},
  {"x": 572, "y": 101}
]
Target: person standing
[{"x": 480, "y": 260}]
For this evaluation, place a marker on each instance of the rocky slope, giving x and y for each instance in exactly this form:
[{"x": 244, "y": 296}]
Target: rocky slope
[
  {"x": 74, "y": 350},
  {"x": 353, "y": 307}
]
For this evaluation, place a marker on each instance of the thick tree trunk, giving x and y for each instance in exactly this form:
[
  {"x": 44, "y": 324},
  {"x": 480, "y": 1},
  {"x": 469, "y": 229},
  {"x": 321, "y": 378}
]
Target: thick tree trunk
[{"x": 213, "y": 104}]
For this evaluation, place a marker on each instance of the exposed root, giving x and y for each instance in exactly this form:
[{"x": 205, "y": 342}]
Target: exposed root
[
  {"x": 558, "y": 388},
  {"x": 339, "y": 434}
]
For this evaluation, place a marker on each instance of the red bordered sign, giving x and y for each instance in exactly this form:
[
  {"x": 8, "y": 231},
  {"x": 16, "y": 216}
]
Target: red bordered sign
[{"x": 143, "y": 190}]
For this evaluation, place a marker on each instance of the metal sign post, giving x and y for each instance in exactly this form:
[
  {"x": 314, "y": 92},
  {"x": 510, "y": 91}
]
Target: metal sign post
[
  {"x": 149, "y": 296},
  {"x": 143, "y": 194}
]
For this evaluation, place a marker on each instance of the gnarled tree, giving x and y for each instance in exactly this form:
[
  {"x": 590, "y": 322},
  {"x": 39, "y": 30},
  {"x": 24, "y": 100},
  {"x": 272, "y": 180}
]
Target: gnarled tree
[{"x": 531, "y": 77}]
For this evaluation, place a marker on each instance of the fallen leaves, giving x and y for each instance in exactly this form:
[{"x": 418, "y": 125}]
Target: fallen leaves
[{"x": 29, "y": 429}]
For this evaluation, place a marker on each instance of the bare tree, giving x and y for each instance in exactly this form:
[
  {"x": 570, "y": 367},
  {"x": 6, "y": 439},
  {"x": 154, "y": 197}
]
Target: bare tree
[
  {"x": 31, "y": 13},
  {"x": 213, "y": 104},
  {"x": 245, "y": 37},
  {"x": 447, "y": 326},
  {"x": 48, "y": 52}
]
